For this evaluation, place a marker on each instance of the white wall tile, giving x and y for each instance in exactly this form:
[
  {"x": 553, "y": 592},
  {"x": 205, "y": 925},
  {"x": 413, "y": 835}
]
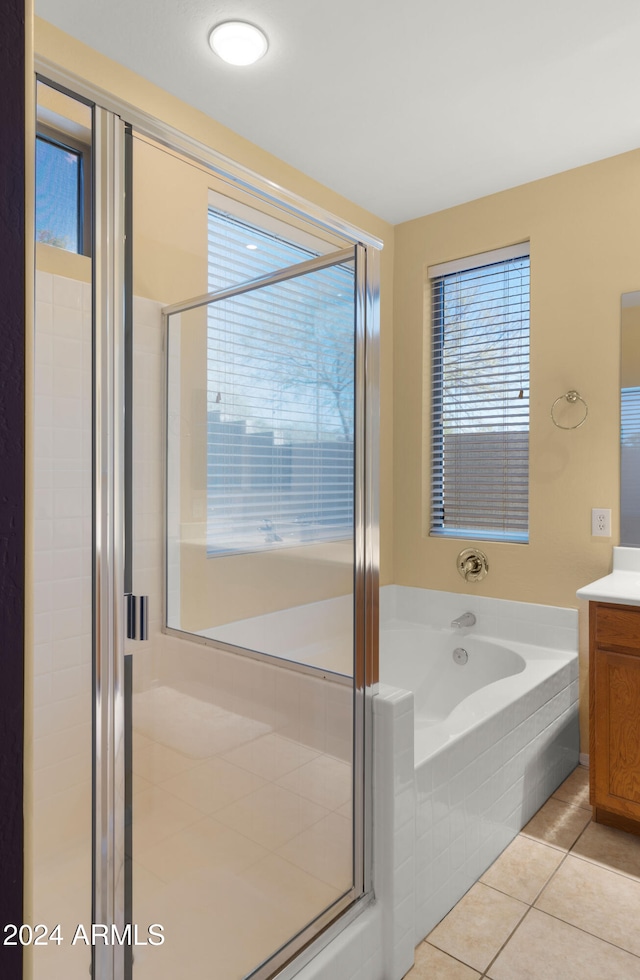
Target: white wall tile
[{"x": 67, "y": 293}]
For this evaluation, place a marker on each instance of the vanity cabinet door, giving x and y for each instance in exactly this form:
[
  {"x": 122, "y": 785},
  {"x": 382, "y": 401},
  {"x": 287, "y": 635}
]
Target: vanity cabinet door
[{"x": 615, "y": 710}]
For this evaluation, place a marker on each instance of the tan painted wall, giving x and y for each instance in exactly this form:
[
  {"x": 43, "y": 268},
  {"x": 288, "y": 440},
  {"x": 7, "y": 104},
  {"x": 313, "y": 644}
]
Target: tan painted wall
[{"x": 584, "y": 228}]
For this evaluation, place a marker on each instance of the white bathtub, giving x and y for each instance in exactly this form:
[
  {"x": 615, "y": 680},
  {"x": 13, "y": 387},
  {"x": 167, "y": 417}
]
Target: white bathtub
[
  {"x": 493, "y": 738},
  {"x": 423, "y": 660}
]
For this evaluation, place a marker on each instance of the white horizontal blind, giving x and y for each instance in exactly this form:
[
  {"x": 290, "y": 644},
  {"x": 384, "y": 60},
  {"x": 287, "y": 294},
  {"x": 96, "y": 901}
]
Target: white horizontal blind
[
  {"x": 480, "y": 399},
  {"x": 629, "y": 466},
  {"x": 280, "y": 396}
]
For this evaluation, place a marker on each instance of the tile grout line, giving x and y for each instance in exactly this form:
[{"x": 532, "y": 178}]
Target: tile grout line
[
  {"x": 585, "y": 932},
  {"x": 425, "y": 942},
  {"x": 550, "y": 914},
  {"x": 532, "y": 905}
]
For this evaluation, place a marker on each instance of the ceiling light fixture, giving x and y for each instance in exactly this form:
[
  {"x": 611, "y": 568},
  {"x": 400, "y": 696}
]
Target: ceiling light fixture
[{"x": 238, "y": 43}]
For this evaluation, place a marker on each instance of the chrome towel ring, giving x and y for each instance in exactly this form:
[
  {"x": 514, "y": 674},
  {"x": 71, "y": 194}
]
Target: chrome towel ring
[{"x": 571, "y": 397}]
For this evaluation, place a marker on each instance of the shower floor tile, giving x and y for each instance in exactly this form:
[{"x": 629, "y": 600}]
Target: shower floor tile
[
  {"x": 325, "y": 780},
  {"x": 255, "y": 828},
  {"x": 213, "y": 785},
  {"x": 205, "y": 844},
  {"x": 324, "y": 851},
  {"x": 272, "y": 815},
  {"x": 271, "y": 756},
  {"x": 234, "y": 851}
]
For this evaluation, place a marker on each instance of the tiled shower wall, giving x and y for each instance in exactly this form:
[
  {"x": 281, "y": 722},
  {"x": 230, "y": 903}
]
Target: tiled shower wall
[
  {"x": 62, "y": 565},
  {"x": 62, "y": 541}
]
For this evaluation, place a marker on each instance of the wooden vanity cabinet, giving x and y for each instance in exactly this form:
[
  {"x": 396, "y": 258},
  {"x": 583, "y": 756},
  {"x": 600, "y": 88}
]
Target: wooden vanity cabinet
[{"x": 614, "y": 714}]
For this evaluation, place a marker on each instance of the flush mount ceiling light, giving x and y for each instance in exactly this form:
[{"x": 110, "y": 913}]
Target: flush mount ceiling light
[{"x": 238, "y": 43}]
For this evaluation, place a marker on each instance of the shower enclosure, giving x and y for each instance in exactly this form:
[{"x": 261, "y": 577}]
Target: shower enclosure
[{"x": 212, "y": 481}]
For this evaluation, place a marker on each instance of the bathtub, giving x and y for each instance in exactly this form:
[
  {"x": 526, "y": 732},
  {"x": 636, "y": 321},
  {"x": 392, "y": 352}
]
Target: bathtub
[{"x": 493, "y": 737}]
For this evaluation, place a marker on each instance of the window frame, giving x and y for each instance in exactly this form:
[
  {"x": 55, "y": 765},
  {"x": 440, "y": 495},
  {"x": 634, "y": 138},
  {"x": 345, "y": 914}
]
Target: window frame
[
  {"x": 59, "y": 138},
  {"x": 437, "y": 275}
]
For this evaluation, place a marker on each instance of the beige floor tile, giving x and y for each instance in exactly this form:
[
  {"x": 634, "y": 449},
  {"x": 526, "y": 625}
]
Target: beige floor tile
[
  {"x": 324, "y": 780},
  {"x": 523, "y": 869},
  {"x": 478, "y": 926},
  {"x": 610, "y": 848},
  {"x": 192, "y": 725},
  {"x": 558, "y": 824},
  {"x": 205, "y": 936},
  {"x": 145, "y": 887},
  {"x": 140, "y": 741},
  {"x": 206, "y": 844},
  {"x": 271, "y": 816},
  {"x": 544, "y": 948},
  {"x": 596, "y": 900},
  {"x": 140, "y": 784},
  {"x": 575, "y": 789},
  {"x": 212, "y": 785},
  {"x": 298, "y": 895},
  {"x": 156, "y": 762},
  {"x": 346, "y": 810},
  {"x": 324, "y": 851},
  {"x": 271, "y": 756},
  {"x": 433, "y": 964},
  {"x": 157, "y": 814}
]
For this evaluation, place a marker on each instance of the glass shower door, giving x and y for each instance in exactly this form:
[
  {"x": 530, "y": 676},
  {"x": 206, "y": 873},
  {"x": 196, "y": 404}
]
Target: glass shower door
[
  {"x": 246, "y": 796},
  {"x": 214, "y": 461}
]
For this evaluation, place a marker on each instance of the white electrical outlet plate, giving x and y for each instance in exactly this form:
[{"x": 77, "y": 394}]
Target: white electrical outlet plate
[{"x": 601, "y": 522}]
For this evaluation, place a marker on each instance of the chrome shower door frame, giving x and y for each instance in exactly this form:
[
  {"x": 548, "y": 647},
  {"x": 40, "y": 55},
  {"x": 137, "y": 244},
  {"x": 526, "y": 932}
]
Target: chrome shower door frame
[{"x": 108, "y": 906}]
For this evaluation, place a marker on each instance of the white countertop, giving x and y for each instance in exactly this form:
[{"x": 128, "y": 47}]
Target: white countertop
[{"x": 621, "y": 585}]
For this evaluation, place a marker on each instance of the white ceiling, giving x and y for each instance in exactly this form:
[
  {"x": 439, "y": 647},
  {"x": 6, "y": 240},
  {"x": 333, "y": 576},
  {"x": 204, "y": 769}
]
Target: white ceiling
[{"x": 405, "y": 107}]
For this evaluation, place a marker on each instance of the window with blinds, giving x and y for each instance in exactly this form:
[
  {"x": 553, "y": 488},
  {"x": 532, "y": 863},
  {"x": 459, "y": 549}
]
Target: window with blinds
[
  {"x": 480, "y": 396},
  {"x": 280, "y": 396}
]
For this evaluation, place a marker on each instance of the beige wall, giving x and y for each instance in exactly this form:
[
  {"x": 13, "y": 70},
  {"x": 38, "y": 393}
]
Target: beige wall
[{"x": 584, "y": 229}]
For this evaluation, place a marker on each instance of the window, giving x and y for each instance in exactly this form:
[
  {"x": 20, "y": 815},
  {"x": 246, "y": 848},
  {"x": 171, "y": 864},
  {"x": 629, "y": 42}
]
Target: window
[
  {"x": 62, "y": 186},
  {"x": 280, "y": 385},
  {"x": 480, "y": 396}
]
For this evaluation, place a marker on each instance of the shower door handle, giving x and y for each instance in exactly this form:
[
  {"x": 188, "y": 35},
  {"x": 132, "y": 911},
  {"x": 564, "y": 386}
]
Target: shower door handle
[{"x": 137, "y": 616}]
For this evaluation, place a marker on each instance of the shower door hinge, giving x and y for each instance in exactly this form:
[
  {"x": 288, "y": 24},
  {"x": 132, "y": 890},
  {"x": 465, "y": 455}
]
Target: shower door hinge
[{"x": 137, "y": 616}]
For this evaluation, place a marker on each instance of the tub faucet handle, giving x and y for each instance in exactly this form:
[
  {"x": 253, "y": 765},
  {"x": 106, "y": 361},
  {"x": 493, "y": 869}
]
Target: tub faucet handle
[{"x": 472, "y": 564}]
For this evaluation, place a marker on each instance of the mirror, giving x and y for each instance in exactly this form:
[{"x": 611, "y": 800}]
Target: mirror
[{"x": 630, "y": 420}]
